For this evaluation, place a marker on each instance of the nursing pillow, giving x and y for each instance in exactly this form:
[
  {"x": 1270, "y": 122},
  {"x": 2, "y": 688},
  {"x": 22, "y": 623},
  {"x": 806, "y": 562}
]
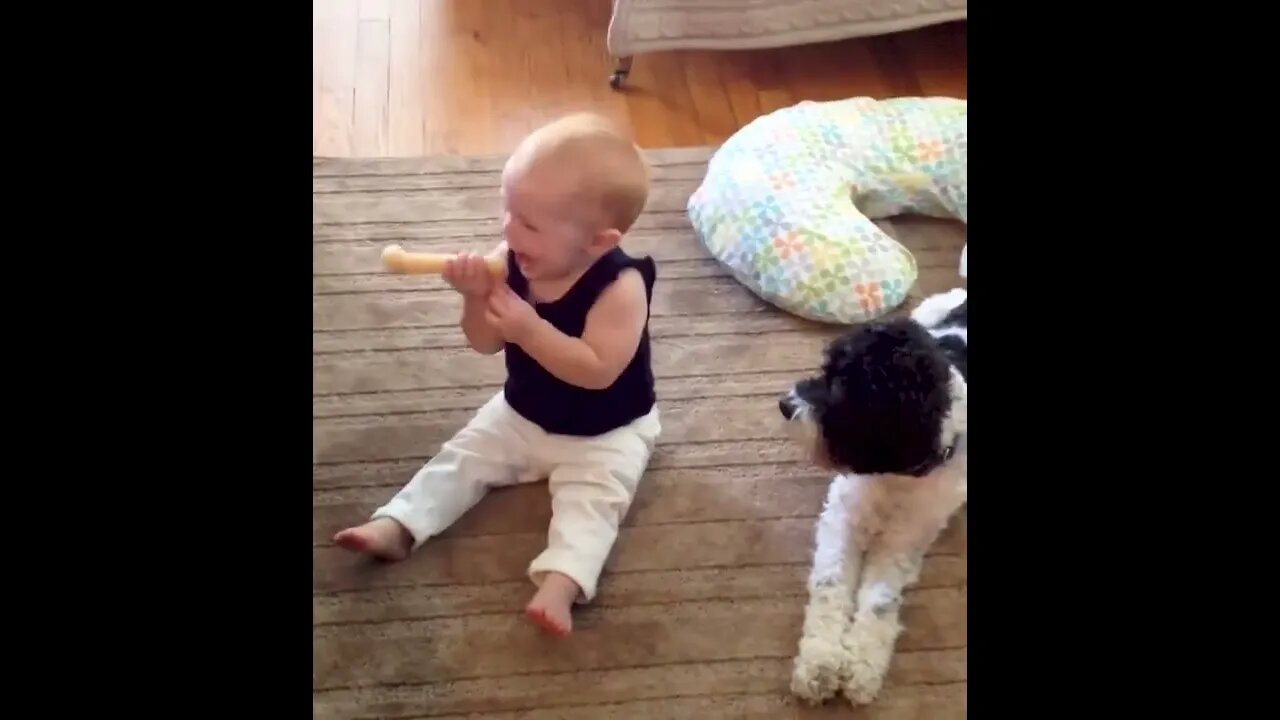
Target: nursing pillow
[{"x": 787, "y": 202}]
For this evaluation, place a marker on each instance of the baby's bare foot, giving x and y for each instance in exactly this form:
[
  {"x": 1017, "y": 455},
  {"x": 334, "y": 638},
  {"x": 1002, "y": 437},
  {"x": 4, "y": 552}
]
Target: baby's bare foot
[
  {"x": 383, "y": 538},
  {"x": 551, "y": 607}
]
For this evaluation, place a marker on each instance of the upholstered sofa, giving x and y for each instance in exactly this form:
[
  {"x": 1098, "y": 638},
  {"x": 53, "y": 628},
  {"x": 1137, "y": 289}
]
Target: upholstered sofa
[{"x": 643, "y": 26}]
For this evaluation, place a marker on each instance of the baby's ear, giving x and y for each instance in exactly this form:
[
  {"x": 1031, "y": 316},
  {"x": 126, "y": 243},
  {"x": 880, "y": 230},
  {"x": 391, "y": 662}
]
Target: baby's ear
[{"x": 605, "y": 240}]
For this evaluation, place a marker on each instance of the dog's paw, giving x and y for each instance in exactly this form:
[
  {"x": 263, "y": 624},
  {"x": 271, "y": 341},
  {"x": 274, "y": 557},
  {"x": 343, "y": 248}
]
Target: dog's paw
[
  {"x": 869, "y": 645},
  {"x": 818, "y": 671},
  {"x": 861, "y": 683}
]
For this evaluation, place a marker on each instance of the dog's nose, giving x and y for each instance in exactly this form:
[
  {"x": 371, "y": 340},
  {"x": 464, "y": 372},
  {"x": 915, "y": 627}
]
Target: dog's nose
[{"x": 786, "y": 407}]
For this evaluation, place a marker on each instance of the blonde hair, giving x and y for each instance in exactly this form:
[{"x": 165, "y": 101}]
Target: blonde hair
[{"x": 610, "y": 168}]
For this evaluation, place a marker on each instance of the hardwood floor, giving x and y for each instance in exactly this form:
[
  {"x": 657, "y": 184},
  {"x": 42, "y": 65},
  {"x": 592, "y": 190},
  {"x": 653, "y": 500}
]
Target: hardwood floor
[{"x": 429, "y": 77}]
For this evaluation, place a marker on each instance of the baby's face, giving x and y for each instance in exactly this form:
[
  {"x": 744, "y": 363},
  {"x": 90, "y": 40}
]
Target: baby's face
[{"x": 544, "y": 222}]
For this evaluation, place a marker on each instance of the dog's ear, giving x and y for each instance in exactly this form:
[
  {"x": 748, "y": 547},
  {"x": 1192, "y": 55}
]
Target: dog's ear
[
  {"x": 835, "y": 390},
  {"x": 840, "y": 364}
]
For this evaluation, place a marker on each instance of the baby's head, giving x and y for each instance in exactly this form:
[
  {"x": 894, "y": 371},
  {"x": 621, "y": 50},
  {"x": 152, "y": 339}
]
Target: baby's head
[{"x": 570, "y": 191}]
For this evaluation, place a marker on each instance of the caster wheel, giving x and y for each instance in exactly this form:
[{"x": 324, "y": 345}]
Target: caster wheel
[{"x": 620, "y": 72}]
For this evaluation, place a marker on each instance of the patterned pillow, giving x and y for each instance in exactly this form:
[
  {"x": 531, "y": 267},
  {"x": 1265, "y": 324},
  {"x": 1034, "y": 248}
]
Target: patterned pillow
[{"x": 787, "y": 201}]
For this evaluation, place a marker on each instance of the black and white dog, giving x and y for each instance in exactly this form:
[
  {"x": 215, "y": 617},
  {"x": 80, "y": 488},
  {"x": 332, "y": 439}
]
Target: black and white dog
[{"x": 888, "y": 413}]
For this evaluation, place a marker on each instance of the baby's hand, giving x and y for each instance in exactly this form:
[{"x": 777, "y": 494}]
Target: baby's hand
[
  {"x": 469, "y": 275},
  {"x": 511, "y": 315}
]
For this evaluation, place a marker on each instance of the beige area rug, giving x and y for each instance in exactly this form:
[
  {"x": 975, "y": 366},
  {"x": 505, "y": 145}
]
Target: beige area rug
[{"x": 701, "y": 604}]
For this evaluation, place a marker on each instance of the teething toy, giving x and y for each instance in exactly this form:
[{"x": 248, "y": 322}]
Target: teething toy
[{"x": 397, "y": 259}]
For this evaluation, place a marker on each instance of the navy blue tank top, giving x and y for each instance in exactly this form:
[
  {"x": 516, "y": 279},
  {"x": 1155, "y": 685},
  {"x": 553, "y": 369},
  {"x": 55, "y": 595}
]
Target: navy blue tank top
[{"x": 557, "y": 406}]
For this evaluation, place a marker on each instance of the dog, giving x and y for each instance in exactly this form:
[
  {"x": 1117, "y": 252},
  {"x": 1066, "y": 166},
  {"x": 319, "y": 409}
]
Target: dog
[{"x": 888, "y": 413}]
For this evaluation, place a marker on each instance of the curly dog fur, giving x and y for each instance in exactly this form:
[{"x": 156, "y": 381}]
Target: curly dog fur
[{"x": 888, "y": 413}]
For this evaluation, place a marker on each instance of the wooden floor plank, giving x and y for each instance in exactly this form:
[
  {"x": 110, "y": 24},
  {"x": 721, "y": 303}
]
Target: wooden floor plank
[
  {"x": 335, "y": 39},
  {"x": 474, "y": 77},
  {"x": 405, "y": 79}
]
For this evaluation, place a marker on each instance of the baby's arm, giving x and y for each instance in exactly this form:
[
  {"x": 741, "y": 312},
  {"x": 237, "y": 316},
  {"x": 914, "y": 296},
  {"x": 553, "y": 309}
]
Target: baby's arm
[
  {"x": 609, "y": 340},
  {"x": 483, "y": 337}
]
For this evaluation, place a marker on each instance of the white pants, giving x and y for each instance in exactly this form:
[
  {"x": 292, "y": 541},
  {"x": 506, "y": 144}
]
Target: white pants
[{"x": 592, "y": 482}]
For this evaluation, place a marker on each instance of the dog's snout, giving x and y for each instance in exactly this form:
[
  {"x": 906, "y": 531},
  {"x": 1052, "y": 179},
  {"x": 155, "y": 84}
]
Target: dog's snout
[{"x": 787, "y": 407}]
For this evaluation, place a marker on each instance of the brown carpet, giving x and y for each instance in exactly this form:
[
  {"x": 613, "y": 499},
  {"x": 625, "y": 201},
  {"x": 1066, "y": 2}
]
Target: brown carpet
[{"x": 701, "y": 603}]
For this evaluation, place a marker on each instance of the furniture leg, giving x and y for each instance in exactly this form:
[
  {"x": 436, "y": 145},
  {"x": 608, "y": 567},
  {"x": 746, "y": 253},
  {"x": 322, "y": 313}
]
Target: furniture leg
[{"x": 620, "y": 72}]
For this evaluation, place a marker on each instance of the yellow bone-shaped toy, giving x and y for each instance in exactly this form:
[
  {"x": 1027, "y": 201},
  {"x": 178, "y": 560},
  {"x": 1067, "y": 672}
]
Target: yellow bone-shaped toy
[{"x": 397, "y": 259}]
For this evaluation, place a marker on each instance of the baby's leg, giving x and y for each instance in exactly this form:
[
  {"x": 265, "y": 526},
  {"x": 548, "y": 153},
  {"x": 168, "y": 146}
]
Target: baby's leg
[
  {"x": 592, "y": 484},
  {"x": 488, "y": 451}
]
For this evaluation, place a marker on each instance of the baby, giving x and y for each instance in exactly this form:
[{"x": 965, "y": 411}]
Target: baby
[{"x": 578, "y": 407}]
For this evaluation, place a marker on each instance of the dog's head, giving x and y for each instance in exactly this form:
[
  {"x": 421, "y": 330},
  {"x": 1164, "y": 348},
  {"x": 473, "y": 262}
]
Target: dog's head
[{"x": 886, "y": 402}]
